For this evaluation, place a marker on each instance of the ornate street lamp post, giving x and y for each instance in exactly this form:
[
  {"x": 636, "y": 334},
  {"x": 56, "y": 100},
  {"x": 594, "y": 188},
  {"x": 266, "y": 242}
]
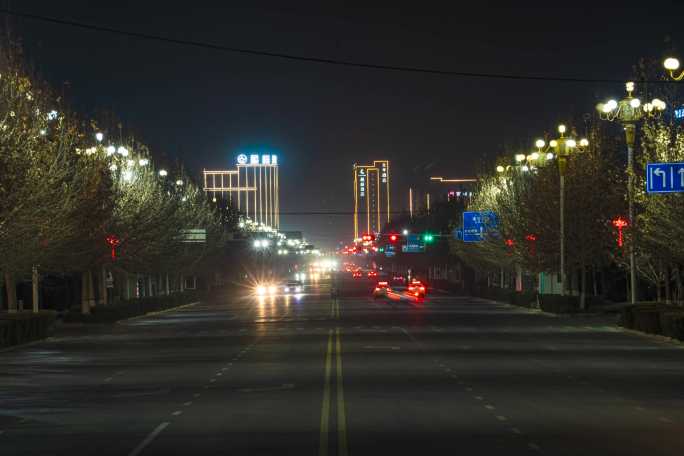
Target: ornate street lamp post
[
  {"x": 563, "y": 146},
  {"x": 628, "y": 112}
]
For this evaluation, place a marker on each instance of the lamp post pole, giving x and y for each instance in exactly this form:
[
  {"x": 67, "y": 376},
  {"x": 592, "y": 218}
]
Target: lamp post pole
[
  {"x": 628, "y": 112},
  {"x": 563, "y": 146}
]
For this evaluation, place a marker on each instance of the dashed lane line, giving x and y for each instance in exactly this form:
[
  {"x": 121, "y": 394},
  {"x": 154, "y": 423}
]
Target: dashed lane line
[
  {"x": 177, "y": 413},
  {"x": 533, "y": 446},
  {"x": 137, "y": 450}
]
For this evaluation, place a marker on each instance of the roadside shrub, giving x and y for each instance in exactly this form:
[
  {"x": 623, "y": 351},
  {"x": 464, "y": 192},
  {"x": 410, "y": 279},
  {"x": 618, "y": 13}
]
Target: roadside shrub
[
  {"x": 24, "y": 327},
  {"x": 133, "y": 308},
  {"x": 672, "y": 324},
  {"x": 559, "y": 304}
]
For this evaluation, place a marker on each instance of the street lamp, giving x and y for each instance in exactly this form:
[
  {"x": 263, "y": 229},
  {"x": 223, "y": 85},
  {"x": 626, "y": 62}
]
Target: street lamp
[
  {"x": 99, "y": 136},
  {"x": 163, "y": 173},
  {"x": 628, "y": 112},
  {"x": 563, "y": 147},
  {"x": 671, "y": 64}
]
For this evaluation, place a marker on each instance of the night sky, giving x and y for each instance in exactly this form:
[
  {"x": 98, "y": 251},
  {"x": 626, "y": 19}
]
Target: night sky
[{"x": 204, "y": 107}]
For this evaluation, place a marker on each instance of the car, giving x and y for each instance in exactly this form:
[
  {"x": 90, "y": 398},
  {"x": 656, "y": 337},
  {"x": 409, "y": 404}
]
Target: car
[
  {"x": 266, "y": 289},
  {"x": 381, "y": 289},
  {"x": 398, "y": 279},
  {"x": 293, "y": 286},
  {"x": 372, "y": 274},
  {"x": 357, "y": 274},
  {"x": 417, "y": 288}
]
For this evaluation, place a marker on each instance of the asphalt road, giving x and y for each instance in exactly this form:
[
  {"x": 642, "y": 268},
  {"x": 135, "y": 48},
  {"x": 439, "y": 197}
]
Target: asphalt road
[{"x": 318, "y": 376}]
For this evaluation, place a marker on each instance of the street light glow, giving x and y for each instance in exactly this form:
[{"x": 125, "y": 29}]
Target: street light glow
[
  {"x": 179, "y": 182},
  {"x": 99, "y": 136},
  {"x": 111, "y": 150},
  {"x": 499, "y": 169},
  {"x": 635, "y": 103},
  {"x": 534, "y": 155},
  {"x": 571, "y": 143},
  {"x": 549, "y": 156},
  {"x": 122, "y": 151},
  {"x": 584, "y": 142},
  {"x": 553, "y": 143},
  {"x": 520, "y": 157},
  {"x": 540, "y": 143},
  {"x": 561, "y": 129},
  {"x": 163, "y": 173},
  {"x": 671, "y": 63}
]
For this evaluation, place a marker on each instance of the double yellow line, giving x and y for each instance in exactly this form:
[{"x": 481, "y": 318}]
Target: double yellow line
[
  {"x": 334, "y": 350},
  {"x": 335, "y": 308}
]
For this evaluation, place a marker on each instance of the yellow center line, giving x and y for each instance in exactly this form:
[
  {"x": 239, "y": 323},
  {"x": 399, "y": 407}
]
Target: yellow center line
[
  {"x": 325, "y": 409},
  {"x": 341, "y": 413}
]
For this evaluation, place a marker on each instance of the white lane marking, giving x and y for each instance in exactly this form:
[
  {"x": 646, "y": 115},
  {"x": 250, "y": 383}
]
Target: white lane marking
[
  {"x": 223, "y": 369},
  {"x": 212, "y": 380},
  {"x": 381, "y": 347},
  {"x": 137, "y": 450},
  {"x": 108, "y": 379},
  {"x": 665, "y": 420},
  {"x": 187, "y": 404},
  {"x": 176, "y": 413},
  {"x": 447, "y": 369},
  {"x": 533, "y": 446},
  {"x": 230, "y": 364},
  {"x": 515, "y": 430},
  {"x": 196, "y": 395},
  {"x": 479, "y": 398},
  {"x": 489, "y": 407},
  {"x": 218, "y": 374},
  {"x": 501, "y": 418}
]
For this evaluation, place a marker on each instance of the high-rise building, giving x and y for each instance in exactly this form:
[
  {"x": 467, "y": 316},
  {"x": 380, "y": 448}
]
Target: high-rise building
[
  {"x": 252, "y": 187},
  {"x": 371, "y": 197}
]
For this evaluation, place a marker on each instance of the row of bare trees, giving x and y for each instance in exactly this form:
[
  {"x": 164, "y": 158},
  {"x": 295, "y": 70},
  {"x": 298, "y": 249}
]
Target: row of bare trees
[{"x": 69, "y": 194}]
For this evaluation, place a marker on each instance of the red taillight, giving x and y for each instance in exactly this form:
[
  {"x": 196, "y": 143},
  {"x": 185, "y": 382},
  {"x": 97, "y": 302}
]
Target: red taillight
[{"x": 422, "y": 288}]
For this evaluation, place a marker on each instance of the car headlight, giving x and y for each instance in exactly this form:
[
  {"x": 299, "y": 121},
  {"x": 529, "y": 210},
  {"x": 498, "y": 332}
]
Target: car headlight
[
  {"x": 272, "y": 289},
  {"x": 286, "y": 289},
  {"x": 261, "y": 290},
  {"x": 298, "y": 289}
]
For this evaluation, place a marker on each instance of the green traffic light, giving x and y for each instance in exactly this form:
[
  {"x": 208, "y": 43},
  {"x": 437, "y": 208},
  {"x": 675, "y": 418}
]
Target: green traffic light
[{"x": 428, "y": 237}]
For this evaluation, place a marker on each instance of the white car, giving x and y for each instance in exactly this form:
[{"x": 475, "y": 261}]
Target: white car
[{"x": 293, "y": 286}]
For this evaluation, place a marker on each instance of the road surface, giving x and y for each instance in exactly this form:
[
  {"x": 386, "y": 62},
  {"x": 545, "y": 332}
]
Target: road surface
[{"x": 348, "y": 376}]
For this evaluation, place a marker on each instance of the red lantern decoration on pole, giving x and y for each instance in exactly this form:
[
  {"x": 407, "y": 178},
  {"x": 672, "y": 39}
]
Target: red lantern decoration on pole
[
  {"x": 620, "y": 224},
  {"x": 532, "y": 238},
  {"x": 113, "y": 241}
]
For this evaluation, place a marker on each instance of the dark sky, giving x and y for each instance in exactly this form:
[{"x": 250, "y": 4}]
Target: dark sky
[{"x": 204, "y": 106}]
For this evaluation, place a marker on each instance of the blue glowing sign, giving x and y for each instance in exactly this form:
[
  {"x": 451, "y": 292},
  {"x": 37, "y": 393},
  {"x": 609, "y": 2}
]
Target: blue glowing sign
[
  {"x": 477, "y": 224},
  {"x": 679, "y": 113},
  {"x": 414, "y": 244},
  {"x": 242, "y": 159},
  {"x": 665, "y": 177}
]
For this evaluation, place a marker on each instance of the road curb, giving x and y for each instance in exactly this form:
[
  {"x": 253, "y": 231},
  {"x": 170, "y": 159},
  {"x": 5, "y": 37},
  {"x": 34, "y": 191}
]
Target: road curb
[
  {"x": 160, "y": 312},
  {"x": 654, "y": 337}
]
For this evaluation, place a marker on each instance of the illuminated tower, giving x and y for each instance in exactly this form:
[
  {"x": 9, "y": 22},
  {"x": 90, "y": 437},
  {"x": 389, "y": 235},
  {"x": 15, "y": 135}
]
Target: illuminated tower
[{"x": 371, "y": 197}]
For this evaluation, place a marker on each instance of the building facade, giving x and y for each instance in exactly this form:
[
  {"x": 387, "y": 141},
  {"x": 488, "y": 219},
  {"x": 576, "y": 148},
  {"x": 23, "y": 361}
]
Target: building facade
[
  {"x": 371, "y": 197},
  {"x": 252, "y": 187}
]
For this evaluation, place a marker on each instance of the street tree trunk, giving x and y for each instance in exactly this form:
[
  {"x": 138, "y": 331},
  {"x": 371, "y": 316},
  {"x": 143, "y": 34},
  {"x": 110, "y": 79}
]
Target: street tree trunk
[
  {"x": 583, "y": 295},
  {"x": 85, "y": 292},
  {"x": 103, "y": 287},
  {"x": 11, "y": 287},
  {"x": 668, "y": 290},
  {"x": 34, "y": 288}
]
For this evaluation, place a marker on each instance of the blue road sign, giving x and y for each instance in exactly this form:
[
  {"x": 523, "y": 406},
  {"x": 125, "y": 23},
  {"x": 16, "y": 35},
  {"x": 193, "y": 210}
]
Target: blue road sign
[
  {"x": 664, "y": 177},
  {"x": 477, "y": 224},
  {"x": 414, "y": 244}
]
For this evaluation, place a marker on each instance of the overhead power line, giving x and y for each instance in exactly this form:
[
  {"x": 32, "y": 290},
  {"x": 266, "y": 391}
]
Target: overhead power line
[{"x": 311, "y": 59}]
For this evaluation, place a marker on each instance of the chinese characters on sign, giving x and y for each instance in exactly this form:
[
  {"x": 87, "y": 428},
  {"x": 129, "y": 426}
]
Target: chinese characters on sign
[
  {"x": 362, "y": 183},
  {"x": 383, "y": 171}
]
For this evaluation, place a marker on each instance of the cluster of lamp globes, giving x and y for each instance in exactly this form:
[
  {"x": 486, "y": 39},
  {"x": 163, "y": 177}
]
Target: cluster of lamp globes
[
  {"x": 540, "y": 153},
  {"x": 127, "y": 174},
  {"x": 614, "y": 107}
]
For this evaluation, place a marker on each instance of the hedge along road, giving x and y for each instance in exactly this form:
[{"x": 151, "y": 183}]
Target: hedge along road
[{"x": 315, "y": 375}]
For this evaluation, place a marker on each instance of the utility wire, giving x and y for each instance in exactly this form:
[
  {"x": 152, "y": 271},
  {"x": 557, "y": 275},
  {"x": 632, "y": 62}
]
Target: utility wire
[{"x": 311, "y": 59}]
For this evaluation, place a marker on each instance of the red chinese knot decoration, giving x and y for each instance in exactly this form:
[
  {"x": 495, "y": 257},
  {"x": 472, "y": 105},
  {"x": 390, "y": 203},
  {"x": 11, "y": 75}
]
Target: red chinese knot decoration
[
  {"x": 620, "y": 223},
  {"x": 113, "y": 241}
]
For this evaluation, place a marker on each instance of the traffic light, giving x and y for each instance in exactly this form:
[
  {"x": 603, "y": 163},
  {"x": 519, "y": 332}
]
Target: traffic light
[
  {"x": 428, "y": 238},
  {"x": 393, "y": 238}
]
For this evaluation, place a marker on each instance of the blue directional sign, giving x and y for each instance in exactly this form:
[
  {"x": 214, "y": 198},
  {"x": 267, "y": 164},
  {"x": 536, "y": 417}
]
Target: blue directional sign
[
  {"x": 477, "y": 224},
  {"x": 664, "y": 177},
  {"x": 414, "y": 244}
]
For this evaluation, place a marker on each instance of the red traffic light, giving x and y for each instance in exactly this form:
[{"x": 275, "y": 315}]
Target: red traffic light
[{"x": 393, "y": 238}]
